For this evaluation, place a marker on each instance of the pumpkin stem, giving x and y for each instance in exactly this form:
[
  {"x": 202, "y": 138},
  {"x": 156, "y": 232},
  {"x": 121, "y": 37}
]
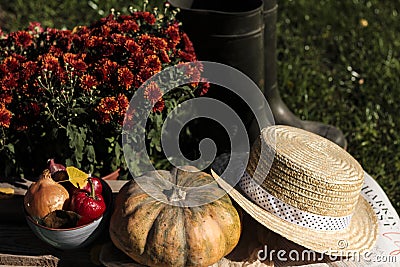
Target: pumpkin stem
[{"x": 175, "y": 194}]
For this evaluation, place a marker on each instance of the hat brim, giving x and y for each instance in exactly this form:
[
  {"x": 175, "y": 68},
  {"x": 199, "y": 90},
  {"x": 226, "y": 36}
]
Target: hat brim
[{"x": 359, "y": 236}]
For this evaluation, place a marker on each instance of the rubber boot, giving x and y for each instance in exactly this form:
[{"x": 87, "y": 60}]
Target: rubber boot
[
  {"x": 229, "y": 32},
  {"x": 282, "y": 114},
  {"x": 235, "y": 33}
]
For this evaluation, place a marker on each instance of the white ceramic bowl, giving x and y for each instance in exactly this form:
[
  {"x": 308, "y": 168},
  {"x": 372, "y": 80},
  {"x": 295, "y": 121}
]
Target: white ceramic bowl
[{"x": 72, "y": 238}]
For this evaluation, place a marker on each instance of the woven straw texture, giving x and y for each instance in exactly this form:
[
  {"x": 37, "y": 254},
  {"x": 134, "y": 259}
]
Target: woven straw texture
[
  {"x": 308, "y": 172},
  {"x": 313, "y": 175}
]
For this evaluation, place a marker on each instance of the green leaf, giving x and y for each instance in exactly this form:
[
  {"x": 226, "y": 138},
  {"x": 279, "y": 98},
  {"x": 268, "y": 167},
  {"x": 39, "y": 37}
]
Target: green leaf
[
  {"x": 90, "y": 153},
  {"x": 11, "y": 148},
  {"x": 77, "y": 138}
]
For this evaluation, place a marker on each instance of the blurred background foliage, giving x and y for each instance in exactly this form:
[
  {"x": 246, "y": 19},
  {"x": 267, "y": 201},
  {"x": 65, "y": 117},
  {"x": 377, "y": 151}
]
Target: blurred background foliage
[
  {"x": 339, "y": 63},
  {"x": 16, "y": 14}
]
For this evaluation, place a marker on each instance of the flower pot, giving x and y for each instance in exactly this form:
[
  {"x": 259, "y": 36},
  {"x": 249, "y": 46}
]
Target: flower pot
[{"x": 112, "y": 176}]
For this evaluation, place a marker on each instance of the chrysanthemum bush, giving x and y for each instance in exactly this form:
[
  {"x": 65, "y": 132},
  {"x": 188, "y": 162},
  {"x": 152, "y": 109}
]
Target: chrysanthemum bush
[{"x": 64, "y": 93}]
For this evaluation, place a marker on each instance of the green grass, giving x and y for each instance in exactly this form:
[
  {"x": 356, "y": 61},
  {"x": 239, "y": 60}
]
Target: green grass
[
  {"x": 334, "y": 69},
  {"x": 16, "y": 14},
  {"x": 331, "y": 67}
]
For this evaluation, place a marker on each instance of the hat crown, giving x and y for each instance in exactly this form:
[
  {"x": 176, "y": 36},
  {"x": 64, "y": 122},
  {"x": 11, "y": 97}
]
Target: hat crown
[{"x": 306, "y": 171}]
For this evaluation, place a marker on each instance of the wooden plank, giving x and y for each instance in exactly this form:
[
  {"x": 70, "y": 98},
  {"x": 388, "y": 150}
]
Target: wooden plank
[
  {"x": 11, "y": 210},
  {"x": 20, "y": 185},
  {"x": 110, "y": 256},
  {"x": 19, "y": 246},
  {"x": 19, "y": 260}
]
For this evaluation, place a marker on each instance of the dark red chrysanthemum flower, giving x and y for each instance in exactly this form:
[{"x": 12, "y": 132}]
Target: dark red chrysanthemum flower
[
  {"x": 203, "y": 88},
  {"x": 137, "y": 81},
  {"x": 50, "y": 65},
  {"x": 75, "y": 61},
  {"x": 105, "y": 30},
  {"x": 104, "y": 20},
  {"x": 132, "y": 46},
  {"x": 159, "y": 106},
  {"x": 150, "y": 44},
  {"x": 164, "y": 56},
  {"x": 50, "y": 62},
  {"x": 148, "y": 17},
  {"x": 51, "y": 33},
  {"x": 119, "y": 39},
  {"x": 79, "y": 42},
  {"x": 187, "y": 44},
  {"x": 22, "y": 38},
  {"x": 123, "y": 17},
  {"x": 5, "y": 97},
  {"x": 105, "y": 69},
  {"x": 30, "y": 68},
  {"x": 11, "y": 63},
  {"x": 100, "y": 45},
  {"x": 152, "y": 92},
  {"x": 113, "y": 25},
  {"x": 123, "y": 103},
  {"x": 10, "y": 81},
  {"x": 94, "y": 41},
  {"x": 144, "y": 75},
  {"x": 63, "y": 39},
  {"x": 158, "y": 43},
  {"x": 144, "y": 39},
  {"x": 129, "y": 119},
  {"x": 107, "y": 107},
  {"x": 20, "y": 58},
  {"x": 5, "y": 117},
  {"x": 3, "y": 69},
  {"x": 194, "y": 72},
  {"x": 173, "y": 33},
  {"x": 113, "y": 54},
  {"x": 109, "y": 104},
  {"x": 129, "y": 26},
  {"x": 32, "y": 110},
  {"x": 187, "y": 56},
  {"x": 135, "y": 62},
  {"x": 35, "y": 27},
  {"x": 35, "y": 109},
  {"x": 104, "y": 118},
  {"x": 88, "y": 82},
  {"x": 56, "y": 51},
  {"x": 110, "y": 66},
  {"x": 153, "y": 63},
  {"x": 125, "y": 77}
]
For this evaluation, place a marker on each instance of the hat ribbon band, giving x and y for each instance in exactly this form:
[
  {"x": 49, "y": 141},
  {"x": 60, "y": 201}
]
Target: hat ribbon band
[{"x": 287, "y": 212}]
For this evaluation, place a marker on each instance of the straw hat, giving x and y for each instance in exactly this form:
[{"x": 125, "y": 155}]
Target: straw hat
[{"x": 307, "y": 189}]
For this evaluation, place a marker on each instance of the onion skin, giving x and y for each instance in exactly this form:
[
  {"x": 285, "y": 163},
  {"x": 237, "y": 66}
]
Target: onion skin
[
  {"x": 58, "y": 172},
  {"x": 45, "y": 196}
]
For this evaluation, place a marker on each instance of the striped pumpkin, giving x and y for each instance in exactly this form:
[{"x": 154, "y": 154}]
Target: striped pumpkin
[{"x": 155, "y": 233}]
